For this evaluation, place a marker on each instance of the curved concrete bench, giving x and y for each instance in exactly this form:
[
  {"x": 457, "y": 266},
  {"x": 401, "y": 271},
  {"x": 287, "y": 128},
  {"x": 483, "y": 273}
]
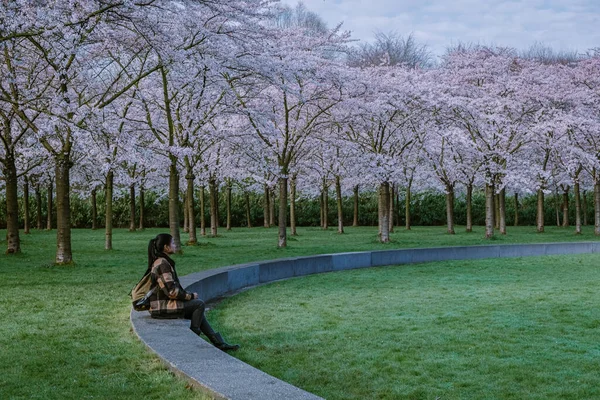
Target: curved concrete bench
[{"x": 225, "y": 377}]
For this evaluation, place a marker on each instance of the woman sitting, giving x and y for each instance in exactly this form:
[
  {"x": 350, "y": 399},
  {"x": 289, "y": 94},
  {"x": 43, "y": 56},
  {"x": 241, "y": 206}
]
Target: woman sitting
[{"x": 170, "y": 300}]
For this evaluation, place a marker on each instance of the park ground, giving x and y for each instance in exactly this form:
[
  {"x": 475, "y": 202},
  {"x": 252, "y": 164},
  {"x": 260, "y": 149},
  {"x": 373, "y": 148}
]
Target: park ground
[{"x": 456, "y": 328}]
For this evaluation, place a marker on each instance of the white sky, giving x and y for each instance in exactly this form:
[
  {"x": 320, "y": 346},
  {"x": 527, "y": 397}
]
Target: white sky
[{"x": 561, "y": 24}]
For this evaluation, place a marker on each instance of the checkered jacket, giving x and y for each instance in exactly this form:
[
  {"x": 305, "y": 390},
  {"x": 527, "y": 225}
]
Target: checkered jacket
[{"x": 169, "y": 297}]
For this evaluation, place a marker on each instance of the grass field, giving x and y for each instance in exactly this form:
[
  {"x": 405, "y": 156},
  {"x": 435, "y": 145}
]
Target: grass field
[
  {"x": 489, "y": 329},
  {"x": 65, "y": 332}
]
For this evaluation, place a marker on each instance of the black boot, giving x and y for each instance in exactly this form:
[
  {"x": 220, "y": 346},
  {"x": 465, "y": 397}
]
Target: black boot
[{"x": 217, "y": 340}]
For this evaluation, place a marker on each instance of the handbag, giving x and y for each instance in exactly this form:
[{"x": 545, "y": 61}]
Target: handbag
[
  {"x": 144, "y": 303},
  {"x": 141, "y": 293}
]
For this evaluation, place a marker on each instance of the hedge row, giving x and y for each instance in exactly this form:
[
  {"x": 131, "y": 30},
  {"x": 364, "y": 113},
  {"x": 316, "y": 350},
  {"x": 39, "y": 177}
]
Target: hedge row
[{"x": 427, "y": 209}]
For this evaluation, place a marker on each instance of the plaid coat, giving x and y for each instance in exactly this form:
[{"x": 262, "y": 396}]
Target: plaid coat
[{"x": 169, "y": 297}]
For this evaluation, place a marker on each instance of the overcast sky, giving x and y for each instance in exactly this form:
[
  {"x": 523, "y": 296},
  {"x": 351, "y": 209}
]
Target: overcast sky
[{"x": 562, "y": 24}]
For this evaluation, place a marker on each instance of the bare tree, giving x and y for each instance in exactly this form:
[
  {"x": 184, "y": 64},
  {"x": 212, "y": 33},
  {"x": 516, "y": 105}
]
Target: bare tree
[
  {"x": 547, "y": 55},
  {"x": 301, "y": 17},
  {"x": 391, "y": 49}
]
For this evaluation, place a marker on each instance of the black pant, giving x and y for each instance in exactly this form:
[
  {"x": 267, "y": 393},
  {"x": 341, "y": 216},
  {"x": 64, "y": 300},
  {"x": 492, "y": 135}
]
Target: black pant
[{"x": 194, "y": 311}]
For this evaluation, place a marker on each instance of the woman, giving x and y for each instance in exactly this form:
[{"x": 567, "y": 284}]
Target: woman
[{"x": 170, "y": 300}]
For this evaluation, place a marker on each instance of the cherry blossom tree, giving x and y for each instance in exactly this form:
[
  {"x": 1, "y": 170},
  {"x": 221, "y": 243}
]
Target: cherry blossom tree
[
  {"x": 444, "y": 161},
  {"x": 587, "y": 80},
  {"x": 551, "y": 88},
  {"x": 380, "y": 120},
  {"x": 322, "y": 168},
  {"x": 194, "y": 45},
  {"x": 69, "y": 43},
  {"x": 19, "y": 83},
  {"x": 482, "y": 96},
  {"x": 336, "y": 156},
  {"x": 286, "y": 96}
]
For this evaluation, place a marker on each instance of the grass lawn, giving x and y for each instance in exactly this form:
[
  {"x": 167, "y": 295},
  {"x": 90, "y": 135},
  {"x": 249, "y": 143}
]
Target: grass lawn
[
  {"x": 65, "y": 331},
  {"x": 490, "y": 329}
]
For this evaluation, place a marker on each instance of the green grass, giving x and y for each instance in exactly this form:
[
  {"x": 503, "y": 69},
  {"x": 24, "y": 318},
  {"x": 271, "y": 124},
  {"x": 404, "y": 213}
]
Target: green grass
[
  {"x": 490, "y": 329},
  {"x": 65, "y": 331}
]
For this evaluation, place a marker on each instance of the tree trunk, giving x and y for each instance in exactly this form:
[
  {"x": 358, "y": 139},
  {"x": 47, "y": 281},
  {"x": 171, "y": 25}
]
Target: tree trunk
[
  {"x": 142, "y": 207},
  {"x": 272, "y": 207},
  {"x": 12, "y": 207},
  {"x": 496, "y": 210},
  {"x": 64, "y": 254},
  {"x": 186, "y": 210},
  {"x": 340, "y": 210},
  {"x": 50, "y": 207},
  {"x": 38, "y": 206},
  {"x": 469, "y": 208},
  {"x": 540, "y": 211},
  {"x": 407, "y": 205},
  {"x": 392, "y": 210},
  {"x": 379, "y": 212},
  {"x": 174, "y": 205},
  {"x": 173, "y": 172},
  {"x": 321, "y": 219},
  {"x": 383, "y": 211},
  {"x": 397, "y": 216},
  {"x": 108, "y": 212},
  {"x": 283, "y": 183},
  {"x": 597, "y": 207},
  {"x": 192, "y": 239},
  {"x": 202, "y": 216},
  {"x": 212, "y": 188},
  {"x": 565, "y": 207},
  {"x": 585, "y": 208},
  {"x": 217, "y": 204},
  {"x": 293, "y": 206},
  {"x": 516, "y": 209},
  {"x": 493, "y": 200},
  {"x": 26, "y": 212},
  {"x": 502, "y": 208},
  {"x": 132, "y": 207},
  {"x": 266, "y": 207},
  {"x": 489, "y": 210},
  {"x": 248, "y": 218},
  {"x": 355, "y": 219},
  {"x": 450, "y": 209},
  {"x": 577, "y": 207},
  {"x": 94, "y": 210},
  {"x": 557, "y": 206},
  {"x": 325, "y": 205},
  {"x": 228, "y": 201}
]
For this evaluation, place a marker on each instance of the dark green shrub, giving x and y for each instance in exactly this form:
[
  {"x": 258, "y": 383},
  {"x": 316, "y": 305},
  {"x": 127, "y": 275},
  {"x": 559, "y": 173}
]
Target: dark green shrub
[{"x": 427, "y": 208}]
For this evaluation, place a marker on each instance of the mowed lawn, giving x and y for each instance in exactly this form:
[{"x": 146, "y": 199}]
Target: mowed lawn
[
  {"x": 522, "y": 328},
  {"x": 65, "y": 331}
]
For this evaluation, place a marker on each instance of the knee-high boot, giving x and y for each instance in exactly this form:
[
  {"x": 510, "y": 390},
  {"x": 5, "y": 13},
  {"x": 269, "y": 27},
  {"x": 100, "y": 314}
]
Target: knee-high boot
[
  {"x": 200, "y": 325},
  {"x": 217, "y": 340}
]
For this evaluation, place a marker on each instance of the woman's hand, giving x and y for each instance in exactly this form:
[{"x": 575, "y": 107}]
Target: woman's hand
[{"x": 195, "y": 296}]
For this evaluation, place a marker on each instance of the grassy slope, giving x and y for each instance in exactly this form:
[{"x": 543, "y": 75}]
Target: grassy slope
[{"x": 65, "y": 333}]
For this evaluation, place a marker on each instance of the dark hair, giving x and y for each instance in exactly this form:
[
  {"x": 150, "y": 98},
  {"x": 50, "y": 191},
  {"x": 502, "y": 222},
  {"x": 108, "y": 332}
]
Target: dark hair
[{"x": 156, "y": 247}]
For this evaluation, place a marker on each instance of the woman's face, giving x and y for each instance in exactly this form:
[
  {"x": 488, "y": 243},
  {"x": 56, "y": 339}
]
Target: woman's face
[{"x": 170, "y": 248}]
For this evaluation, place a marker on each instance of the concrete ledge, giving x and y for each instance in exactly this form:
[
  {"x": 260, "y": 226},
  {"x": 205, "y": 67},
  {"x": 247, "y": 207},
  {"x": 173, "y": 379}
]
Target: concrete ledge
[
  {"x": 225, "y": 377},
  {"x": 209, "y": 369}
]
